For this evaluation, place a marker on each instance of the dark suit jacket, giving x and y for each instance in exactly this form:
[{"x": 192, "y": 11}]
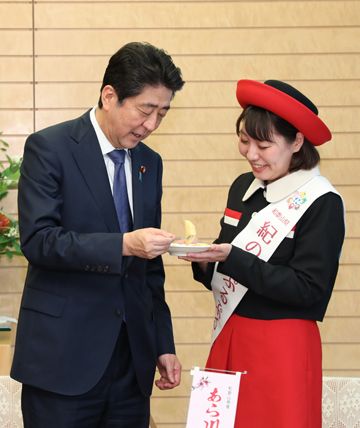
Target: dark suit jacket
[
  {"x": 78, "y": 283},
  {"x": 298, "y": 279}
]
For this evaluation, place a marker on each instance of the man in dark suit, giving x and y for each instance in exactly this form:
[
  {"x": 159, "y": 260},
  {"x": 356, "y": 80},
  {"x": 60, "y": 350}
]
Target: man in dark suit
[{"x": 93, "y": 321}]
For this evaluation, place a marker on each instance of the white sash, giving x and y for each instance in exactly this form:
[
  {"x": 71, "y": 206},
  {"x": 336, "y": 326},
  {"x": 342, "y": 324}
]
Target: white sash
[{"x": 261, "y": 237}]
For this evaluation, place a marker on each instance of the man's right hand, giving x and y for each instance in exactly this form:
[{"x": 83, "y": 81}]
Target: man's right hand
[{"x": 147, "y": 243}]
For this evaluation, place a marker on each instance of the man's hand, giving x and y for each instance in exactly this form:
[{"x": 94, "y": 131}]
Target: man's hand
[
  {"x": 147, "y": 243},
  {"x": 170, "y": 371}
]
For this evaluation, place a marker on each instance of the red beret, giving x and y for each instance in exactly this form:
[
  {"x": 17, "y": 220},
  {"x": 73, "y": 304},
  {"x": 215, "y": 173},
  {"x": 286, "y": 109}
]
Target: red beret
[{"x": 288, "y": 103}]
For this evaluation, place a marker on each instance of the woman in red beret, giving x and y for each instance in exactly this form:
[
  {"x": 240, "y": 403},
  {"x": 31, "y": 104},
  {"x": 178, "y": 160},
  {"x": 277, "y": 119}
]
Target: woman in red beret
[{"x": 273, "y": 266}]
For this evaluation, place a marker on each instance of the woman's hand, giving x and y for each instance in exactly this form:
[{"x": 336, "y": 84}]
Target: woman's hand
[{"x": 216, "y": 253}]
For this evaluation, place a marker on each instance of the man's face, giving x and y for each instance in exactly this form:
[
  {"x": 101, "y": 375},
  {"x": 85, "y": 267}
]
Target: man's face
[{"x": 130, "y": 122}]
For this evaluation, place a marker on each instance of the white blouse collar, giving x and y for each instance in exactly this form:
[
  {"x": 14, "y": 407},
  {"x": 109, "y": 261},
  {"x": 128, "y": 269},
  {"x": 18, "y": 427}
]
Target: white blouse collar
[{"x": 282, "y": 187}]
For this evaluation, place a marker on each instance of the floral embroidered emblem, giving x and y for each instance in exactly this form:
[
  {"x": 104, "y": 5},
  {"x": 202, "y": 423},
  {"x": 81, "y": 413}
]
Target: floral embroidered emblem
[{"x": 297, "y": 199}]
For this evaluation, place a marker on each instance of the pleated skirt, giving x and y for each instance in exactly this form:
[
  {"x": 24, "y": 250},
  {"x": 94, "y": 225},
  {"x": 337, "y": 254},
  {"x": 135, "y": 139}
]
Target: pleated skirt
[{"x": 282, "y": 358}]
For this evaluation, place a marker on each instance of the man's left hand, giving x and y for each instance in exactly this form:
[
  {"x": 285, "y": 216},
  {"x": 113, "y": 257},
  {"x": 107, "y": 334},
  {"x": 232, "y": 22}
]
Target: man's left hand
[{"x": 170, "y": 371}]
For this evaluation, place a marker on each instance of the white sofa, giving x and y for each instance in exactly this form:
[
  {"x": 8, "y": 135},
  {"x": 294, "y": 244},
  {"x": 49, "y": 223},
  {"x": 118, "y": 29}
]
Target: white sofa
[{"x": 341, "y": 403}]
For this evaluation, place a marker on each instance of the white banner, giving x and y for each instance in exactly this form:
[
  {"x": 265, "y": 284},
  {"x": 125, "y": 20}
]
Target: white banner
[{"x": 213, "y": 399}]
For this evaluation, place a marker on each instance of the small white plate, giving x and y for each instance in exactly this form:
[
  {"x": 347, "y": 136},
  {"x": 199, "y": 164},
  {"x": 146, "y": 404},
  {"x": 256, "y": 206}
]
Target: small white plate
[{"x": 183, "y": 249}]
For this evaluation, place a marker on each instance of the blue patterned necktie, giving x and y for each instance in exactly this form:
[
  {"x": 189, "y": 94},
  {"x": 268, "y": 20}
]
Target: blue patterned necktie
[{"x": 120, "y": 194}]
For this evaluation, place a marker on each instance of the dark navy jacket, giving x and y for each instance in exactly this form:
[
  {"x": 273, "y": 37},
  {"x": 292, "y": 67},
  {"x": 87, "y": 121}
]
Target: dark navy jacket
[
  {"x": 78, "y": 283},
  {"x": 298, "y": 279}
]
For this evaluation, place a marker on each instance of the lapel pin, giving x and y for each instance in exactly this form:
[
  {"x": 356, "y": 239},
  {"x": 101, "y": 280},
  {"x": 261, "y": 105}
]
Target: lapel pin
[{"x": 142, "y": 171}]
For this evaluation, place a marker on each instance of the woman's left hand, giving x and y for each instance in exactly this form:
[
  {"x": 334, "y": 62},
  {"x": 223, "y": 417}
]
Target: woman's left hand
[{"x": 216, "y": 253}]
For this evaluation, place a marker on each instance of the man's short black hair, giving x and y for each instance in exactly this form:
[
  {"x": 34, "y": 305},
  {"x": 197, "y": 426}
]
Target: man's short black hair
[{"x": 137, "y": 65}]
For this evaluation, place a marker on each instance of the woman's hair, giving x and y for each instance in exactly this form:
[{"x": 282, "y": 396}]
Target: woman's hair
[{"x": 260, "y": 124}]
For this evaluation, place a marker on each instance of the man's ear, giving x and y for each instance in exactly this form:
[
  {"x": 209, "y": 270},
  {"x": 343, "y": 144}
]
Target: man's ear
[
  {"x": 108, "y": 97},
  {"x": 299, "y": 141}
]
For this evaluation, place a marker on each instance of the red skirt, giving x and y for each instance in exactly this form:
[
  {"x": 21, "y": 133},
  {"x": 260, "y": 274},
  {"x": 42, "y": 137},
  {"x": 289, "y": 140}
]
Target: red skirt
[{"x": 282, "y": 358}]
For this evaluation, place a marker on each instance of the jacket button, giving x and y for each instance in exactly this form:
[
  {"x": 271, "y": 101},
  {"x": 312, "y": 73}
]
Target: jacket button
[
  {"x": 106, "y": 268},
  {"x": 87, "y": 267},
  {"x": 118, "y": 312}
]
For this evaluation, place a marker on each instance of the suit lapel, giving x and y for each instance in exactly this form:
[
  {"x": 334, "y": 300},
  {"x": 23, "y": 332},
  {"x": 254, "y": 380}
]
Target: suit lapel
[
  {"x": 87, "y": 153},
  {"x": 137, "y": 187}
]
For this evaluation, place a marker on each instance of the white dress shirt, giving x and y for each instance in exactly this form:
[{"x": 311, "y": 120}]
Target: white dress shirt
[{"x": 106, "y": 147}]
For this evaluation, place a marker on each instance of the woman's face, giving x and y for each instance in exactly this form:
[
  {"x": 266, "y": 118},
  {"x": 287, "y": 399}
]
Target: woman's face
[{"x": 269, "y": 160}]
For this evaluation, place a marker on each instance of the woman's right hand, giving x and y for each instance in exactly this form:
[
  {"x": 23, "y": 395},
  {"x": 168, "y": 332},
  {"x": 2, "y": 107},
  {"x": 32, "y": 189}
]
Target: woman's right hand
[{"x": 216, "y": 253}]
